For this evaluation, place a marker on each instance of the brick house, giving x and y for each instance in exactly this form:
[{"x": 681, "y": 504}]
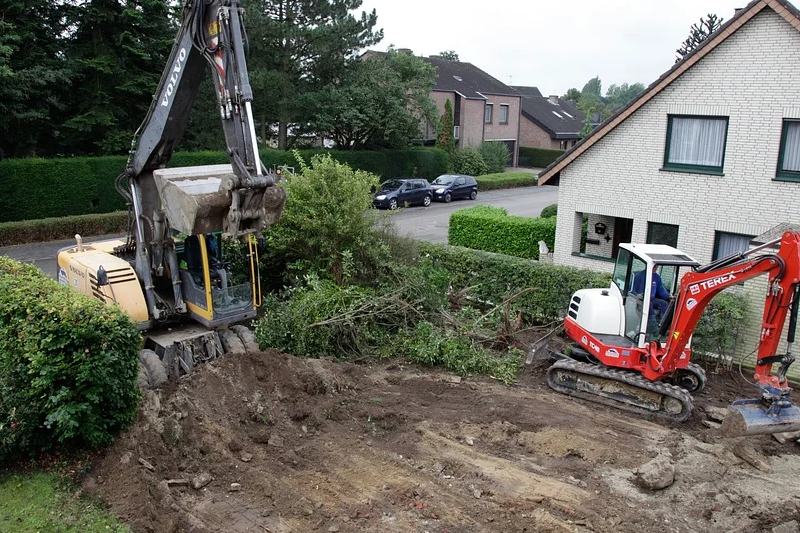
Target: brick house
[
  {"x": 484, "y": 108},
  {"x": 548, "y": 122},
  {"x": 706, "y": 158}
]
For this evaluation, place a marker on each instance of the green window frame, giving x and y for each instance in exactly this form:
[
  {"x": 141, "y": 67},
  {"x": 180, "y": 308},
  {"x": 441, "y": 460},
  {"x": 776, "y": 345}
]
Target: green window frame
[
  {"x": 781, "y": 173},
  {"x": 691, "y": 168}
]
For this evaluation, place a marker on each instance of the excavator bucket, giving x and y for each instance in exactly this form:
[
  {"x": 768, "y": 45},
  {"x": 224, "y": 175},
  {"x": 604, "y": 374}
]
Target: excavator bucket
[
  {"x": 754, "y": 417},
  {"x": 197, "y": 200}
]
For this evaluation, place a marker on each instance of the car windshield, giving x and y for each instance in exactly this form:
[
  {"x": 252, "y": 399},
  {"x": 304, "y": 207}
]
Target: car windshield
[
  {"x": 443, "y": 180},
  {"x": 391, "y": 185}
]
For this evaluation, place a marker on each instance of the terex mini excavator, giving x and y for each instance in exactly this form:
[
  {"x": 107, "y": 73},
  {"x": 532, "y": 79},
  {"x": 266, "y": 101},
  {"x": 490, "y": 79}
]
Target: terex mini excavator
[
  {"x": 171, "y": 267},
  {"x": 626, "y": 356}
]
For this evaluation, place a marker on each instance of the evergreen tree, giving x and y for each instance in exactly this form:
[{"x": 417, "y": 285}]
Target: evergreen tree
[
  {"x": 444, "y": 133},
  {"x": 449, "y": 55},
  {"x": 697, "y": 34}
]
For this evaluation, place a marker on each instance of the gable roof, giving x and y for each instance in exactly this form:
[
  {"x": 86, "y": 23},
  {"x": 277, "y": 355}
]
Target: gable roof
[
  {"x": 527, "y": 91},
  {"x": 466, "y": 79},
  {"x": 742, "y": 16},
  {"x": 561, "y": 120}
]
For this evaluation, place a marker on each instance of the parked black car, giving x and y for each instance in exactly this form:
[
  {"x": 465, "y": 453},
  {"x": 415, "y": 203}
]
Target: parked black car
[
  {"x": 403, "y": 192},
  {"x": 448, "y": 187}
]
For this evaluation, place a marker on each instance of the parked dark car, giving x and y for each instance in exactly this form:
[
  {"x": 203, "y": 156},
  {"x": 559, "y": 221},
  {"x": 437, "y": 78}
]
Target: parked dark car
[
  {"x": 448, "y": 187},
  {"x": 403, "y": 192}
]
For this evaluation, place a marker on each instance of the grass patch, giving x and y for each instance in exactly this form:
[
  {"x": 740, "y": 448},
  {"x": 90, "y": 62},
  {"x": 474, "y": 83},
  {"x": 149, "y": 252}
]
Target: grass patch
[
  {"x": 505, "y": 180},
  {"x": 43, "y": 502}
]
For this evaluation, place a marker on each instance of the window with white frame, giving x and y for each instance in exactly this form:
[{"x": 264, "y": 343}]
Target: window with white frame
[
  {"x": 488, "y": 111},
  {"x": 503, "y": 114},
  {"x": 696, "y": 143},
  {"x": 789, "y": 155}
]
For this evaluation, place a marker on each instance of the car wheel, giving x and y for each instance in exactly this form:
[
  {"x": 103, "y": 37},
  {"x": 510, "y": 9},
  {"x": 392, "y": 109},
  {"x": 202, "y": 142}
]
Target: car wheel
[
  {"x": 473, "y": 195},
  {"x": 426, "y": 201},
  {"x": 393, "y": 204},
  {"x": 448, "y": 198}
]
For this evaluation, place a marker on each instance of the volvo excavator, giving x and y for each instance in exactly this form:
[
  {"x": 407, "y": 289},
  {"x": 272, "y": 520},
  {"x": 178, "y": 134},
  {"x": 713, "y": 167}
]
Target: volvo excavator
[
  {"x": 625, "y": 355},
  {"x": 171, "y": 275}
]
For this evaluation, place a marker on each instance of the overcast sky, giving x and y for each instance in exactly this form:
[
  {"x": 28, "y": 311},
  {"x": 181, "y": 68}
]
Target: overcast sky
[{"x": 551, "y": 44}]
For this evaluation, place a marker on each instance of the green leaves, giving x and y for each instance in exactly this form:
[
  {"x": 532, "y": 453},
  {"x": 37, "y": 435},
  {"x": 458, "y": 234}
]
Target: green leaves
[
  {"x": 68, "y": 365},
  {"x": 468, "y": 161},
  {"x": 537, "y": 157},
  {"x": 492, "y": 229},
  {"x": 495, "y": 154}
]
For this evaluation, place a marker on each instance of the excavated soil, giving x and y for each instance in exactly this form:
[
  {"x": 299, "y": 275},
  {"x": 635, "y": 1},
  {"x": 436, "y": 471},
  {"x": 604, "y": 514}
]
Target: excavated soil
[{"x": 317, "y": 445}]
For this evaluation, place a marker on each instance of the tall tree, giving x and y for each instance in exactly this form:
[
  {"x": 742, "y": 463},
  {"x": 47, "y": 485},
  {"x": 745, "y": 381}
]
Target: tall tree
[
  {"x": 298, "y": 48},
  {"x": 34, "y": 75},
  {"x": 379, "y": 102},
  {"x": 118, "y": 51},
  {"x": 444, "y": 132},
  {"x": 573, "y": 95},
  {"x": 597, "y": 107},
  {"x": 698, "y": 33},
  {"x": 449, "y": 55}
]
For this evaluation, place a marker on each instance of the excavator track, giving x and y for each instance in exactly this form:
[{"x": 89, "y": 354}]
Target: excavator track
[{"x": 621, "y": 389}]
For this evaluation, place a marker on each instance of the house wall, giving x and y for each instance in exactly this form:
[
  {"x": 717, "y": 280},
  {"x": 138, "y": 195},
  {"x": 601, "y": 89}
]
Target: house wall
[
  {"x": 439, "y": 98},
  {"x": 532, "y": 136},
  {"x": 471, "y": 123},
  {"x": 752, "y": 78},
  {"x": 504, "y": 132}
]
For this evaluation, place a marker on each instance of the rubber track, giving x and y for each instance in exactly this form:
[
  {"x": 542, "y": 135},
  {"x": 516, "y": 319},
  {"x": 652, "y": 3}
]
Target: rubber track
[{"x": 628, "y": 378}]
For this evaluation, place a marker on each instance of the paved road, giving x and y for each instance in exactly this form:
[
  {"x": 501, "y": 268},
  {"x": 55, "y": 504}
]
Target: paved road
[{"x": 429, "y": 224}]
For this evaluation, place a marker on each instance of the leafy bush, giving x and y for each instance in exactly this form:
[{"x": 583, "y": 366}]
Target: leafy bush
[
  {"x": 326, "y": 227},
  {"x": 468, "y": 161},
  {"x": 494, "y": 230},
  {"x": 44, "y": 188},
  {"x": 68, "y": 365},
  {"x": 505, "y": 180},
  {"x": 48, "y": 229},
  {"x": 549, "y": 211},
  {"x": 718, "y": 330},
  {"x": 495, "y": 155},
  {"x": 492, "y": 277},
  {"x": 537, "y": 157}
]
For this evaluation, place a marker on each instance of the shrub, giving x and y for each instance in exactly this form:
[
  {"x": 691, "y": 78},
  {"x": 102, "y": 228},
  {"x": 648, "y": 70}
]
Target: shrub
[
  {"x": 549, "y": 211},
  {"x": 495, "y": 155},
  {"x": 68, "y": 365},
  {"x": 492, "y": 277},
  {"x": 537, "y": 157},
  {"x": 33, "y": 189},
  {"x": 494, "y": 230},
  {"x": 718, "y": 330},
  {"x": 505, "y": 180},
  {"x": 48, "y": 229},
  {"x": 468, "y": 161}
]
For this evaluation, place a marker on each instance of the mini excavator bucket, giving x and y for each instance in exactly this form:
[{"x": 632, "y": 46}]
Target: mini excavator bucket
[
  {"x": 756, "y": 417},
  {"x": 200, "y": 200}
]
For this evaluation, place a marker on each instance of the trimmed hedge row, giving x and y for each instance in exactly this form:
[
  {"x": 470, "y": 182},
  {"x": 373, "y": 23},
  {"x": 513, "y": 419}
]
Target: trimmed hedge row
[
  {"x": 50, "y": 229},
  {"x": 45, "y": 188},
  {"x": 537, "y": 157},
  {"x": 68, "y": 365},
  {"x": 492, "y": 229},
  {"x": 505, "y": 180},
  {"x": 493, "y": 277}
]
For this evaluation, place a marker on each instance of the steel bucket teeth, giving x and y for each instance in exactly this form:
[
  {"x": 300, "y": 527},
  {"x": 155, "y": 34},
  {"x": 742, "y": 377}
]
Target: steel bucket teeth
[{"x": 753, "y": 417}]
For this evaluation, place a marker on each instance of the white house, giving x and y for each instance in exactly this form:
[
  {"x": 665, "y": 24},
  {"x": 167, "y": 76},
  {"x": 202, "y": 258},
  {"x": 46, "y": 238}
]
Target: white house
[{"x": 705, "y": 159}]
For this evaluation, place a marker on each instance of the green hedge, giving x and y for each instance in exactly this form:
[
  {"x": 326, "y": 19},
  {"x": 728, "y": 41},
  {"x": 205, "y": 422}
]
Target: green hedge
[
  {"x": 46, "y": 188},
  {"x": 49, "y": 229},
  {"x": 505, "y": 180},
  {"x": 68, "y": 365},
  {"x": 549, "y": 211},
  {"x": 493, "y": 277},
  {"x": 537, "y": 157},
  {"x": 492, "y": 229}
]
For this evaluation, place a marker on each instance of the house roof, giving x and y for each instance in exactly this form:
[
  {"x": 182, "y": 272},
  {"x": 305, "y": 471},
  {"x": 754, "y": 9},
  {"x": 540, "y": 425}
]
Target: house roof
[
  {"x": 527, "y": 91},
  {"x": 742, "y": 16},
  {"x": 466, "y": 79},
  {"x": 775, "y": 233},
  {"x": 562, "y": 120}
]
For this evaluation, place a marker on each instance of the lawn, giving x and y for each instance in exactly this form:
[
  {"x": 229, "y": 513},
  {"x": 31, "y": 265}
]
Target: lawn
[
  {"x": 41, "y": 502},
  {"x": 505, "y": 180}
]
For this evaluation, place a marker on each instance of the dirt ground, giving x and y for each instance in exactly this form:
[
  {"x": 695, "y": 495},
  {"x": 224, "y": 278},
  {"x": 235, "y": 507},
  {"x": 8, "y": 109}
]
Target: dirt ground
[{"x": 317, "y": 445}]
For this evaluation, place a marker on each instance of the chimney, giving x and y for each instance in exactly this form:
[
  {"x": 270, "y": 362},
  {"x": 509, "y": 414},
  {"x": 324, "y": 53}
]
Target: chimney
[{"x": 553, "y": 99}]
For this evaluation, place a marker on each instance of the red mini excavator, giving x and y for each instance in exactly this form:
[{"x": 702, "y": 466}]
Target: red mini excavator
[{"x": 631, "y": 342}]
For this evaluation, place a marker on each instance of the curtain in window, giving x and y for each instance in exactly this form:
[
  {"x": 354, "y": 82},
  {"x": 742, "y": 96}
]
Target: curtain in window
[
  {"x": 791, "y": 150},
  {"x": 731, "y": 243},
  {"x": 697, "y": 141}
]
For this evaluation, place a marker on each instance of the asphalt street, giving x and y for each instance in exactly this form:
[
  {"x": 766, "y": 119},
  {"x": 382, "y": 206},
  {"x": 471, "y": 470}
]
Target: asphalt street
[{"x": 423, "y": 223}]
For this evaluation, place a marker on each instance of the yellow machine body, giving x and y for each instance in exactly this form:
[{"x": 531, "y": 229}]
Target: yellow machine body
[{"x": 78, "y": 266}]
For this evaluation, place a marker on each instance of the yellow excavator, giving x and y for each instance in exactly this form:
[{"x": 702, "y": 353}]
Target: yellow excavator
[{"x": 170, "y": 274}]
